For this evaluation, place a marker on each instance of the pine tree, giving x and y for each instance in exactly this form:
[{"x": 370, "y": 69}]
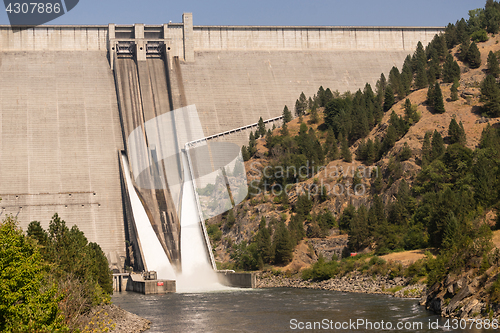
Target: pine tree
[
  {"x": 287, "y": 115},
  {"x": 410, "y": 111},
  {"x": 388, "y": 98},
  {"x": 493, "y": 67},
  {"x": 464, "y": 49},
  {"x": 282, "y": 245},
  {"x": 454, "y": 91},
  {"x": 437, "y": 145},
  {"x": 438, "y": 99},
  {"x": 314, "y": 114},
  {"x": 490, "y": 95},
  {"x": 421, "y": 77},
  {"x": 390, "y": 138},
  {"x": 456, "y": 133},
  {"x": 420, "y": 54},
  {"x": 361, "y": 151},
  {"x": 264, "y": 245},
  {"x": 426, "y": 149},
  {"x": 333, "y": 152},
  {"x": 473, "y": 56},
  {"x": 244, "y": 153},
  {"x": 430, "y": 96},
  {"x": 284, "y": 130},
  {"x": 346, "y": 153},
  {"x": 252, "y": 144},
  {"x": 299, "y": 110},
  {"x": 405, "y": 153},
  {"x": 370, "y": 152},
  {"x": 303, "y": 101},
  {"x": 261, "y": 127},
  {"x": 451, "y": 70},
  {"x": 395, "y": 81}
]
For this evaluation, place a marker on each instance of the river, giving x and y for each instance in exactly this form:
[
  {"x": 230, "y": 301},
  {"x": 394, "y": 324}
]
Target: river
[{"x": 282, "y": 310}]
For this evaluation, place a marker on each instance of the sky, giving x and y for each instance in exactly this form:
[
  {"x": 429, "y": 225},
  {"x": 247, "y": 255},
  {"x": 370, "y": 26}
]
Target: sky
[{"x": 269, "y": 12}]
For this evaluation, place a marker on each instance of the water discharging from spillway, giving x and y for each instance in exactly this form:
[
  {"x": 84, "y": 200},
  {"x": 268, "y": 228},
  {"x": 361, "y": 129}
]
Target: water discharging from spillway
[
  {"x": 153, "y": 253},
  {"x": 176, "y": 155}
]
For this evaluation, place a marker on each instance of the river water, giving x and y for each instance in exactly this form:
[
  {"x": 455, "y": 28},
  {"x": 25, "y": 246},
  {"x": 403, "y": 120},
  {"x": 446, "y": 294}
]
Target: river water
[{"x": 283, "y": 310}]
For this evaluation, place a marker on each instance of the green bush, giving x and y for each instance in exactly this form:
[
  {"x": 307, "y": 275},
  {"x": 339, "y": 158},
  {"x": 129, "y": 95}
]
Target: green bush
[{"x": 479, "y": 36}]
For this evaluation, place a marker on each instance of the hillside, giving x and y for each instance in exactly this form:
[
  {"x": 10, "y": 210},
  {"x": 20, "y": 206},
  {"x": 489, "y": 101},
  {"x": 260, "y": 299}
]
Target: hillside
[{"x": 426, "y": 168}]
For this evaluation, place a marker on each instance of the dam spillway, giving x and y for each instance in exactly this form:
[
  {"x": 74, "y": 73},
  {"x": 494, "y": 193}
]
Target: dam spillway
[{"x": 70, "y": 96}]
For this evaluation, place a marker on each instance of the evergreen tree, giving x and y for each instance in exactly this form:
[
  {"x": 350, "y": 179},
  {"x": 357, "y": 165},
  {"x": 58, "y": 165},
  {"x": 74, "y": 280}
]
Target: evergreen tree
[
  {"x": 405, "y": 153},
  {"x": 244, "y": 153},
  {"x": 287, "y": 115},
  {"x": 252, "y": 144},
  {"x": 264, "y": 245},
  {"x": 346, "y": 153},
  {"x": 430, "y": 96},
  {"x": 421, "y": 77},
  {"x": 438, "y": 99},
  {"x": 371, "y": 155},
  {"x": 284, "y": 130},
  {"x": 361, "y": 151},
  {"x": 451, "y": 70},
  {"x": 299, "y": 109},
  {"x": 261, "y": 127},
  {"x": 464, "y": 50},
  {"x": 492, "y": 16},
  {"x": 454, "y": 91},
  {"x": 456, "y": 133},
  {"x": 395, "y": 82},
  {"x": 493, "y": 67},
  {"x": 390, "y": 138},
  {"x": 314, "y": 114},
  {"x": 282, "y": 245},
  {"x": 490, "y": 95},
  {"x": 410, "y": 111},
  {"x": 473, "y": 56},
  {"x": 330, "y": 147},
  {"x": 388, "y": 98},
  {"x": 437, "y": 145},
  {"x": 303, "y": 102},
  {"x": 419, "y": 54},
  {"x": 426, "y": 149},
  {"x": 358, "y": 230}
]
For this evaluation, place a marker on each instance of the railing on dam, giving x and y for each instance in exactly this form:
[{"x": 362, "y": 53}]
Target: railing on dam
[{"x": 233, "y": 131}]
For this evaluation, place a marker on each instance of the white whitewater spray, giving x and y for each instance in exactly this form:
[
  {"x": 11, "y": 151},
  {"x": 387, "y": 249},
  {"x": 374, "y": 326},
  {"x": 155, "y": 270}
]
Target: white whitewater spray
[
  {"x": 197, "y": 272},
  {"x": 153, "y": 253}
]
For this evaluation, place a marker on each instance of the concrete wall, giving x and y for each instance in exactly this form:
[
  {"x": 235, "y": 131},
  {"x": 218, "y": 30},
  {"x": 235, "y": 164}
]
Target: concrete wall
[
  {"x": 310, "y": 38},
  {"x": 54, "y": 38},
  {"x": 238, "y": 280},
  {"x": 233, "y": 88},
  {"x": 59, "y": 137},
  {"x": 147, "y": 287}
]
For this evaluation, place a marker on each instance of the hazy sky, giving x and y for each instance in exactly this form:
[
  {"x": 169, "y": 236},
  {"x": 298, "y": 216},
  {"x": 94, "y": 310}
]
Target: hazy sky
[{"x": 269, "y": 12}]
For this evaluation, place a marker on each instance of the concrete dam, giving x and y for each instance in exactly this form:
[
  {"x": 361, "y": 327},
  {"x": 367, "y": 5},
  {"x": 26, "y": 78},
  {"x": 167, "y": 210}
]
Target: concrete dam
[{"x": 96, "y": 121}]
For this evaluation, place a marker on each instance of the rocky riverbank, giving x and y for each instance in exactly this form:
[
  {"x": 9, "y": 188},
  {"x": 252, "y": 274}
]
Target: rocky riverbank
[
  {"x": 352, "y": 282},
  {"x": 112, "y": 318}
]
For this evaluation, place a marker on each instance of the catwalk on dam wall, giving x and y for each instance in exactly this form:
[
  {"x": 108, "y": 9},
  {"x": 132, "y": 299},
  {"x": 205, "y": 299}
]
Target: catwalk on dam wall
[{"x": 72, "y": 96}]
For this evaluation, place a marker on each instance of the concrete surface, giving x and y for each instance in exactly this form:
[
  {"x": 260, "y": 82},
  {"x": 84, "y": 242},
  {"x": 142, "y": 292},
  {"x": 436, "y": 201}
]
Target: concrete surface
[{"x": 59, "y": 137}]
